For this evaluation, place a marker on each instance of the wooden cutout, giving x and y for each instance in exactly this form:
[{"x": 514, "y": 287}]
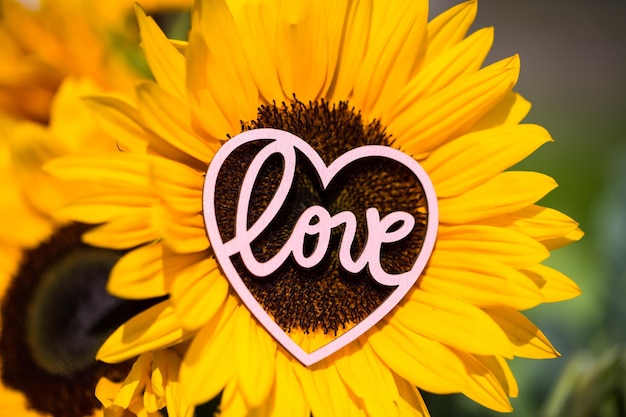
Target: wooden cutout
[{"x": 286, "y": 144}]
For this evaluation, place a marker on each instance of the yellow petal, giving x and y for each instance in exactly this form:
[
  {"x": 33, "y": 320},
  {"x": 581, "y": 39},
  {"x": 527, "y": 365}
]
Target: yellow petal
[
  {"x": 556, "y": 243},
  {"x": 171, "y": 119},
  {"x": 474, "y": 158},
  {"x": 459, "y": 61},
  {"x": 553, "y": 285},
  {"x": 324, "y": 389},
  {"x": 119, "y": 118},
  {"x": 256, "y": 354},
  {"x": 220, "y": 68},
  {"x": 507, "y": 192},
  {"x": 452, "y": 322},
  {"x": 287, "y": 386},
  {"x": 135, "y": 382},
  {"x": 198, "y": 292},
  {"x": 527, "y": 339},
  {"x": 302, "y": 54},
  {"x": 233, "y": 403},
  {"x": 185, "y": 233},
  {"x": 357, "y": 27},
  {"x": 511, "y": 110},
  {"x": 166, "y": 62},
  {"x": 500, "y": 369},
  {"x": 139, "y": 274},
  {"x": 424, "y": 362},
  {"x": 449, "y": 28},
  {"x": 540, "y": 223},
  {"x": 502, "y": 245},
  {"x": 123, "y": 169},
  {"x": 152, "y": 329},
  {"x": 427, "y": 124},
  {"x": 436, "y": 368},
  {"x": 179, "y": 185},
  {"x": 390, "y": 54},
  {"x": 410, "y": 403},
  {"x": 369, "y": 379},
  {"x": 100, "y": 208},
  {"x": 487, "y": 390},
  {"x": 256, "y": 24},
  {"x": 479, "y": 281},
  {"x": 211, "y": 349},
  {"x": 124, "y": 232}
]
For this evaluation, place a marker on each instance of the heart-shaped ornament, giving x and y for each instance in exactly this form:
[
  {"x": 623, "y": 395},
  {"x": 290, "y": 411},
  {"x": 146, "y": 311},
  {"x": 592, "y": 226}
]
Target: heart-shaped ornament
[{"x": 253, "y": 198}]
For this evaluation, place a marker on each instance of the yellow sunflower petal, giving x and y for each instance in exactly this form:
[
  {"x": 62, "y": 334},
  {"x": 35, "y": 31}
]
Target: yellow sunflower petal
[
  {"x": 219, "y": 68},
  {"x": 473, "y": 159},
  {"x": 488, "y": 390},
  {"x": 553, "y": 285},
  {"x": 256, "y": 354},
  {"x": 139, "y": 274},
  {"x": 153, "y": 329},
  {"x": 479, "y": 281},
  {"x": 502, "y": 245},
  {"x": 179, "y": 185},
  {"x": 232, "y": 402},
  {"x": 100, "y": 208},
  {"x": 155, "y": 106},
  {"x": 124, "y": 169},
  {"x": 461, "y": 60},
  {"x": 287, "y": 386},
  {"x": 429, "y": 123},
  {"x": 435, "y": 367},
  {"x": 507, "y": 192},
  {"x": 198, "y": 292},
  {"x": 389, "y": 56},
  {"x": 185, "y": 233},
  {"x": 511, "y": 110},
  {"x": 556, "y": 243},
  {"x": 166, "y": 62},
  {"x": 212, "y": 348},
  {"x": 540, "y": 223},
  {"x": 449, "y": 28},
  {"x": 500, "y": 369},
  {"x": 424, "y": 362},
  {"x": 256, "y": 24},
  {"x": 452, "y": 322},
  {"x": 410, "y": 403},
  {"x": 357, "y": 27},
  {"x": 120, "y": 120},
  {"x": 302, "y": 58},
  {"x": 369, "y": 379},
  {"x": 527, "y": 339},
  {"x": 326, "y": 392},
  {"x": 124, "y": 232}
]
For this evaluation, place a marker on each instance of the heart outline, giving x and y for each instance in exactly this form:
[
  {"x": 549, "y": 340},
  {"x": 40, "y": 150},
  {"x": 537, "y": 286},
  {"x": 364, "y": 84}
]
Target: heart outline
[{"x": 326, "y": 175}]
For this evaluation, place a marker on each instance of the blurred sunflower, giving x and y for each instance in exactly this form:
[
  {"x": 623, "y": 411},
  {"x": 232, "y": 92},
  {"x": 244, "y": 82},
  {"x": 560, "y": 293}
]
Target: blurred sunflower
[
  {"x": 338, "y": 74},
  {"x": 44, "y": 41},
  {"x": 55, "y": 311}
]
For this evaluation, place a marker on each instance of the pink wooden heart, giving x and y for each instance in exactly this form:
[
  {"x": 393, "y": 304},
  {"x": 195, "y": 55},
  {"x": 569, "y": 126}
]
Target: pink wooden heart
[{"x": 314, "y": 221}]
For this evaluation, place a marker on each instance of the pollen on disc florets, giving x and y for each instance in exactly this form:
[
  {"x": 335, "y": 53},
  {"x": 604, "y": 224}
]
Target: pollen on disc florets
[{"x": 325, "y": 298}]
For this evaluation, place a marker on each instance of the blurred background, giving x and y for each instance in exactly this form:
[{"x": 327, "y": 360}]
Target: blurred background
[{"x": 573, "y": 55}]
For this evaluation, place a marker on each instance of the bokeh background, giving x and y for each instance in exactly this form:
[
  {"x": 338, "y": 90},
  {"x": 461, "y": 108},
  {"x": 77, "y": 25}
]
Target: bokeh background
[{"x": 573, "y": 55}]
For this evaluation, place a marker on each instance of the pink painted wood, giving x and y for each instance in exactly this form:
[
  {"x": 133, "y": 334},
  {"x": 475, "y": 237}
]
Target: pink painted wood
[{"x": 286, "y": 145}]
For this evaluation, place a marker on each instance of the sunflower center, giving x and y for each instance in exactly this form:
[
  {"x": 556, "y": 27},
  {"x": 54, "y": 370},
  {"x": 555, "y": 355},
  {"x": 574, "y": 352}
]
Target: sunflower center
[
  {"x": 325, "y": 297},
  {"x": 56, "y": 313}
]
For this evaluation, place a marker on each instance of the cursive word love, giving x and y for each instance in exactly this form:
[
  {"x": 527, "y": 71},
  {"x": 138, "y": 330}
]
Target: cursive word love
[{"x": 315, "y": 221}]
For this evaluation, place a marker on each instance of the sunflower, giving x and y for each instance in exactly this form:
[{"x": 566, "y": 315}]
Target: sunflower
[
  {"x": 44, "y": 41},
  {"x": 337, "y": 75},
  {"x": 55, "y": 311}
]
